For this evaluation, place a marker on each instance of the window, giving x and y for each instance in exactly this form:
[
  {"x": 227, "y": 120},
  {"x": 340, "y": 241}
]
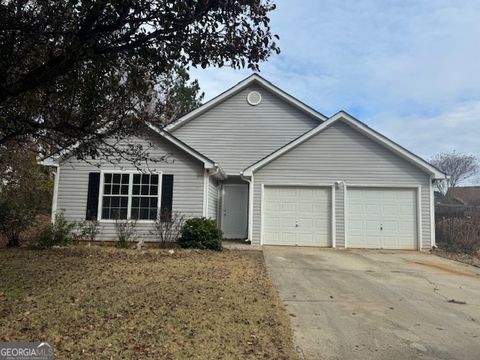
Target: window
[
  {"x": 130, "y": 196},
  {"x": 145, "y": 197}
]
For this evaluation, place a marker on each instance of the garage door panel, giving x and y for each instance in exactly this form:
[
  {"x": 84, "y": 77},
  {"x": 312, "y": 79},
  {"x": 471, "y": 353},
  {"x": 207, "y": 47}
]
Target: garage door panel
[
  {"x": 300, "y": 216},
  {"x": 381, "y": 218}
]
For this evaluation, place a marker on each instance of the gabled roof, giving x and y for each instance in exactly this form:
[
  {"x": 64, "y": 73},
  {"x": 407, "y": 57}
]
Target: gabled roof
[
  {"x": 466, "y": 195},
  {"x": 208, "y": 163},
  {"x": 361, "y": 127},
  {"x": 252, "y": 79}
]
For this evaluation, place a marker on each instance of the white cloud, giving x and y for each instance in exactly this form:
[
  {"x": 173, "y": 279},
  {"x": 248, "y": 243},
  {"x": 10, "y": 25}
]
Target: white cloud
[{"x": 456, "y": 129}]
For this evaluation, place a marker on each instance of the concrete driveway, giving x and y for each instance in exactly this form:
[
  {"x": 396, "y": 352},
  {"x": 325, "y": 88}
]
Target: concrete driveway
[{"x": 358, "y": 304}]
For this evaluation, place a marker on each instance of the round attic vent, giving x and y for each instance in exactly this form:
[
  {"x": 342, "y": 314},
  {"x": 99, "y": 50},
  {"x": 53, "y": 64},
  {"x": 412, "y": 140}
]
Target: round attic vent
[{"x": 254, "y": 98}]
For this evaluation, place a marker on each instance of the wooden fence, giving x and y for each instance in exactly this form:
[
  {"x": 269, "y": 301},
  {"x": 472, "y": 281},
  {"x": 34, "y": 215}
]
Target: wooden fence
[{"x": 456, "y": 211}]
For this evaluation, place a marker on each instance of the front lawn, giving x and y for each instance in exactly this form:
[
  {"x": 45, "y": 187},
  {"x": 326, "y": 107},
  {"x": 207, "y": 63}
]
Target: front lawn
[{"x": 104, "y": 302}]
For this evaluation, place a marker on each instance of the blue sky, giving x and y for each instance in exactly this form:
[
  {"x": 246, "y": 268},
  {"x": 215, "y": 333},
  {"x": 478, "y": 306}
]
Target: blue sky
[{"x": 410, "y": 69}]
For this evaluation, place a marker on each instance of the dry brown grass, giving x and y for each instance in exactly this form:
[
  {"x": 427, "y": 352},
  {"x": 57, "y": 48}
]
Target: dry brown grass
[{"x": 92, "y": 302}]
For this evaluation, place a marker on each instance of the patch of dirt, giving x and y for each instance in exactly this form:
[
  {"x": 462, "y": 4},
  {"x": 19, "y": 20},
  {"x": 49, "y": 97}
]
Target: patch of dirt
[
  {"x": 446, "y": 268},
  {"x": 93, "y": 302},
  {"x": 460, "y": 257}
]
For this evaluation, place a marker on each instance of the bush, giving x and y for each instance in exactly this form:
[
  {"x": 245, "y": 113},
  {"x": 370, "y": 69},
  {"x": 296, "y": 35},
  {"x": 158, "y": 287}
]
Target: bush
[
  {"x": 459, "y": 234},
  {"x": 126, "y": 232},
  {"x": 88, "y": 230},
  {"x": 57, "y": 234},
  {"x": 168, "y": 227},
  {"x": 201, "y": 233}
]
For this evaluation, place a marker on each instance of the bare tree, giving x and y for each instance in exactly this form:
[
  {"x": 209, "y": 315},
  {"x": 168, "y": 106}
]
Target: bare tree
[
  {"x": 168, "y": 226},
  {"x": 459, "y": 167}
]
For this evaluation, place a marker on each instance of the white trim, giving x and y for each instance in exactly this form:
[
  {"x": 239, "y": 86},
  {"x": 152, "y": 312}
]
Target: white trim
[
  {"x": 262, "y": 207},
  {"x": 345, "y": 222},
  {"x": 419, "y": 218},
  {"x": 387, "y": 186},
  {"x": 334, "y": 221},
  {"x": 343, "y": 116},
  {"x": 255, "y": 78},
  {"x": 418, "y": 189},
  {"x": 206, "y": 186},
  {"x": 207, "y": 162},
  {"x": 251, "y": 188},
  {"x": 433, "y": 240},
  {"x": 218, "y": 210},
  {"x": 56, "y": 183},
  {"x": 130, "y": 194}
]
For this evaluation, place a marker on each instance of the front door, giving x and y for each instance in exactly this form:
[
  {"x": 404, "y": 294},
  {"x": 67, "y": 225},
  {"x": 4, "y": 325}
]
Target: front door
[{"x": 235, "y": 211}]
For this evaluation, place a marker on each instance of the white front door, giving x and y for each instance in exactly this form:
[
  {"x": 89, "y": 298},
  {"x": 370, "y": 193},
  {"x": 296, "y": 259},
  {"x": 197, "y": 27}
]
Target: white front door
[
  {"x": 235, "y": 211},
  {"x": 297, "y": 215},
  {"x": 381, "y": 218}
]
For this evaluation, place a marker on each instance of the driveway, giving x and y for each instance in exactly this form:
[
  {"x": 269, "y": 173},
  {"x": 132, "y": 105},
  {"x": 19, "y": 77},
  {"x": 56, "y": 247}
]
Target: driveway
[{"x": 358, "y": 304}]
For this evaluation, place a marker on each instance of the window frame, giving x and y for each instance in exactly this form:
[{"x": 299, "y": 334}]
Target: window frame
[{"x": 130, "y": 195}]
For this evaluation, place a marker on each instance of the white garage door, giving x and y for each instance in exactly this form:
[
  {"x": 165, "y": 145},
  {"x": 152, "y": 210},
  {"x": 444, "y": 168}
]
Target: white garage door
[
  {"x": 381, "y": 218},
  {"x": 297, "y": 216}
]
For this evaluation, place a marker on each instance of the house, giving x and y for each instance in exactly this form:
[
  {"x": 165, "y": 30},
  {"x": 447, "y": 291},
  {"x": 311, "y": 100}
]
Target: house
[
  {"x": 464, "y": 195},
  {"x": 270, "y": 170}
]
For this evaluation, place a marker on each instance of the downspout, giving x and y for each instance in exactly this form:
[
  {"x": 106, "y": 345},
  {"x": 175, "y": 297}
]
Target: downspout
[
  {"x": 56, "y": 183},
  {"x": 250, "y": 205}
]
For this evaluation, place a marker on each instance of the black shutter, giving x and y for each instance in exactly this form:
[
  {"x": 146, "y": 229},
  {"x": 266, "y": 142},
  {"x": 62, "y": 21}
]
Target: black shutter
[
  {"x": 167, "y": 198},
  {"x": 92, "y": 195}
]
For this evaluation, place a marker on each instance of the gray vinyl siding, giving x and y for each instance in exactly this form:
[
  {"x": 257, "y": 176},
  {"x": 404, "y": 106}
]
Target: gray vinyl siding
[
  {"x": 213, "y": 198},
  {"x": 342, "y": 153},
  {"x": 187, "y": 186},
  {"x": 236, "y": 134}
]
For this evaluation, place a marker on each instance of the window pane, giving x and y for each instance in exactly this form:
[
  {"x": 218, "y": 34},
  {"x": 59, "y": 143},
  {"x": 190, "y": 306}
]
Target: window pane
[
  {"x": 105, "y": 213},
  {"x": 125, "y": 179},
  {"x": 107, "y": 189},
  {"x": 115, "y": 189},
  {"x": 114, "y": 213},
  {"x": 135, "y": 213},
  {"x": 123, "y": 213},
  {"x": 144, "y": 189},
  {"x": 154, "y": 180},
  {"x": 124, "y": 201},
  {"x": 135, "y": 201},
  {"x": 144, "y": 202},
  {"x": 136, "y": 178},
  {"x": 153, "y": 190},
  {"x": 136, "y": 190},
  {"x": 144, "y": 213},
  {"x": 124, "y": 189},
  {"x": 145, "y": 179},
  {"x": 116, "y": 178},
  {"x": 153, "y": 202},
  {"x": 115, "y": 201},
  {"x": 153, "y": 214},
  {"x": 108, "y": 178}
]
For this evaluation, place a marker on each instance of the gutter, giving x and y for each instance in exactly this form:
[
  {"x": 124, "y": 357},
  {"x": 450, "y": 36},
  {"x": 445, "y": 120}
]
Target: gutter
[{"x": 250, "y": 182}]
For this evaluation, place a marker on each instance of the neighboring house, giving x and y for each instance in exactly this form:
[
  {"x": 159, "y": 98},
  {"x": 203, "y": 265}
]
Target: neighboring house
[
  {"x": 464, "y": 195},
  {"x": 269, "y": 169}
]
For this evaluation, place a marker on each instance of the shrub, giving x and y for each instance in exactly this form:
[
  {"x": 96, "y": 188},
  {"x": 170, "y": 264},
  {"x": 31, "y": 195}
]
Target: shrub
[
  {"x": 126, "y": 232},
  {"x": 57, "y": 234},
  {"x": 25, "y": 191},
  {"x": 459, "y": 234},
  {"x": 201, "y": 233},
  {"x": 168, "y": 227},
  {"x": 88, "y": 230}
]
